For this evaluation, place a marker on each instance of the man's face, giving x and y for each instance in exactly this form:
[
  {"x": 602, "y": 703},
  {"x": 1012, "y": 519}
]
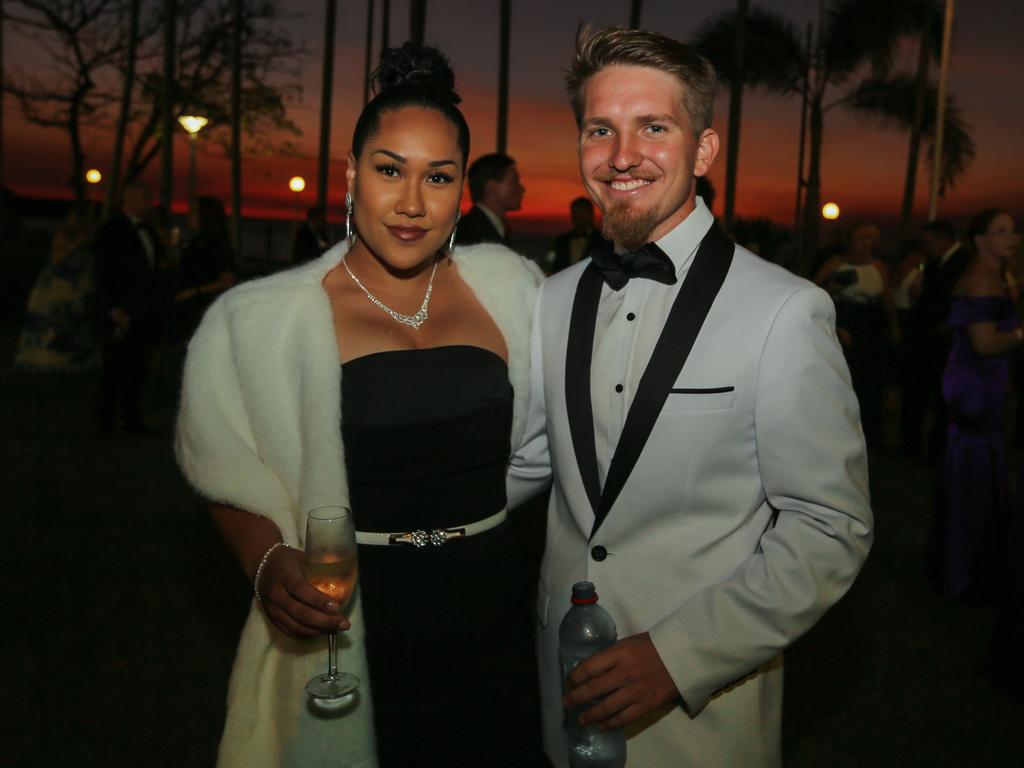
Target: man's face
[
  {"x": 582, "y": 217},
  {"x": 935, "y": 246},
  {"x": 137, "y": 202},
  {"x": 638, "y": 154},
  {"x": 509, "y": 190}
]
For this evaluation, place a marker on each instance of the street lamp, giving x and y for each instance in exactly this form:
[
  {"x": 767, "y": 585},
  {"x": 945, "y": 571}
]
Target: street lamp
[
  {"x": 830, "y": 211},
  {"x": 94, "y": 177},
  {"x": 296, "y": 184},
  {"x": 192, "y": 124}
]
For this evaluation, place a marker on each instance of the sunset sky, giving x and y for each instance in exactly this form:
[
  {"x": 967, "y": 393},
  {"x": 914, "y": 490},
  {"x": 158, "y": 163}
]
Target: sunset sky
[{"x": 863, "y": 164}]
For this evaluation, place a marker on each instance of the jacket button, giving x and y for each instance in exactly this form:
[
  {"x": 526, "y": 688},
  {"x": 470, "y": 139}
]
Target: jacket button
[
  {"x": 631, "y": 317},
  {"x": 599, "y": 553}
]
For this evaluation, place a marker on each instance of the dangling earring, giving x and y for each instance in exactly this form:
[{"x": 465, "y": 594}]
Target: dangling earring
[
  {"x": 451, "y": 240},
  {"x": 348, "y": 218}
]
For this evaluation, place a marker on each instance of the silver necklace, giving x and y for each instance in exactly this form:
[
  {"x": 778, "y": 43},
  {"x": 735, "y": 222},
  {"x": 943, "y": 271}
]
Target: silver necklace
[{"x": 414, "y": 321}]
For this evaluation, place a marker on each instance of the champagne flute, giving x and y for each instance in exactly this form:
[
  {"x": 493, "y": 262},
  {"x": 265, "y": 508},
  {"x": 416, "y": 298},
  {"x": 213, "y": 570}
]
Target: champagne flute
[{"x": 330, "y": 566}]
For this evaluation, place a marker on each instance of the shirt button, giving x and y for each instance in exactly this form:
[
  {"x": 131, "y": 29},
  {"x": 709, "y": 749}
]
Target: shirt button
[
  {"x": 599, "y": 553},
  {"x": 618, "y": 387},
  {"x": 631, "y": 317}
]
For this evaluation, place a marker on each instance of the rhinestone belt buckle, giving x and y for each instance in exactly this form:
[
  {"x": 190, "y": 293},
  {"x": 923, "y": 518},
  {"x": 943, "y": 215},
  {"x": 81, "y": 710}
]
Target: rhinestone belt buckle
[{"x": 436, "y": 537}]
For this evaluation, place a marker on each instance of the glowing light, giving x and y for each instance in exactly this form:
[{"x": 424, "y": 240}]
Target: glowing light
[
  {"x": 296, "y": 184},
  {"x": 830, "y": 211},
  {"x": 192, "y": 123},
  {"x": 93, "y": 176}
]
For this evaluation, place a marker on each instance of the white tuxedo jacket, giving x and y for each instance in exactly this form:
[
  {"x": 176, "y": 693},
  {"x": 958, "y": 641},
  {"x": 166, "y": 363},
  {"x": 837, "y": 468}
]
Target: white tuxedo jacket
[{"x": 745, "y": 516}]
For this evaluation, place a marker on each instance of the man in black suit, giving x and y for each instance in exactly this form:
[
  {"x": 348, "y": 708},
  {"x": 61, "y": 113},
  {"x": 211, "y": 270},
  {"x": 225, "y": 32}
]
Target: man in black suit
[
  {"x": 947, "y": 259},
  {"x": 311, "y": 239},
  {"x": 129, "y": 257},
  {"x": 574, "y": 245},
  {"x": 495, "y": 189}
]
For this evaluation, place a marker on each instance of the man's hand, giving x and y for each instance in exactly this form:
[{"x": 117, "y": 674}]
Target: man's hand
[{"x": 632, "y": 677}]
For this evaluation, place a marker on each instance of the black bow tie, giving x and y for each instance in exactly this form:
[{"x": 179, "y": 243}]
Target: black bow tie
[{"x": 649, "y": 262}]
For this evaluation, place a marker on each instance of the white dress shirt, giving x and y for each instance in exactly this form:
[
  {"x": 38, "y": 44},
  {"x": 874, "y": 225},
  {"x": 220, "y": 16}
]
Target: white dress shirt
[{"x": 629, "y": 324}]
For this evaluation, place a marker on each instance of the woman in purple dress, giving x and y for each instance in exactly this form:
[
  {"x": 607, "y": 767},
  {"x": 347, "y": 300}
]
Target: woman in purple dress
[{"x": 972, "y": 507}]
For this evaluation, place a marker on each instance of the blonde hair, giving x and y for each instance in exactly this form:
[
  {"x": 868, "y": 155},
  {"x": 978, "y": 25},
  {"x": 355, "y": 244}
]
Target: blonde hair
[{"x": 618, "y": 46}]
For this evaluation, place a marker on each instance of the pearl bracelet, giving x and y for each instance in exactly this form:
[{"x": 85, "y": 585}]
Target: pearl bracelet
[{"x": 259, "y": 568}]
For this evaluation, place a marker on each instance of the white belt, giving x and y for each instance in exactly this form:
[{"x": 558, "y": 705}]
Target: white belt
[{"x": 437, "y": 537}]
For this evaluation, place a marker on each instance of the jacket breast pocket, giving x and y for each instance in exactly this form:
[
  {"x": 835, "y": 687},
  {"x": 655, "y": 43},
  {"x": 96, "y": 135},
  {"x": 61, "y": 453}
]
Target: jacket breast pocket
[{"x": 685, "y": 399}]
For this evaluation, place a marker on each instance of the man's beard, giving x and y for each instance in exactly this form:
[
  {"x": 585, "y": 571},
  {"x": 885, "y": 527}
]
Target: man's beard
[{"x": 626, "y": 227}]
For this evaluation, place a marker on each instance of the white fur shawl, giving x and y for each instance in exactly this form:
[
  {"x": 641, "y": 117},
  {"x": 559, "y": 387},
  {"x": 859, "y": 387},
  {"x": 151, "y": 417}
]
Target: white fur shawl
[{"x": 259, "y": 428}]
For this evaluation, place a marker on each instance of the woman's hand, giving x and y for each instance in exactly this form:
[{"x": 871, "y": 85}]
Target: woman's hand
[{"x": 291, "y": 603}]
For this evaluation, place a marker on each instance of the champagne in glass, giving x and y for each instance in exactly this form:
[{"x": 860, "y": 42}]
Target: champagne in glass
[{"x": 330, "y": 565}]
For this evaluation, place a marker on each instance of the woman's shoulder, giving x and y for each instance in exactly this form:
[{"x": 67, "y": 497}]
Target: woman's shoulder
[{"x": 979, "y": 284}]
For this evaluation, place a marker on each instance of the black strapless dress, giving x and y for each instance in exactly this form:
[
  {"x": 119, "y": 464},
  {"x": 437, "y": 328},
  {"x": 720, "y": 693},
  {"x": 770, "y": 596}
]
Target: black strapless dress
[{"x": 427, "y": 438}]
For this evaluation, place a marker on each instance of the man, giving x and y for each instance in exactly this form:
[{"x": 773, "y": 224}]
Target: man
[
  {"x": 572, "y": 246},
  {"x": 129, "y": 256},
  {"x": 496, "y": 190},
  {"x": 311, "y": 238},
  {"x": 947, "y": 260},
  {"x": 693, "y": 404}
]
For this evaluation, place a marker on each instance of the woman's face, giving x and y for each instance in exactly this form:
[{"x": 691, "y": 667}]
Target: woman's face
[
  {"x": 864, "y": 241},
  {"x": 1000, "y": 239},
  {"x": 406, "y": 186}
]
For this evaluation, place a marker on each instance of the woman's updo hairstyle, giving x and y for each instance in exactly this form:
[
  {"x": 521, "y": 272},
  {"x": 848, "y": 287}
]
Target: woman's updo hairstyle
[
  {"x": 980, "y": 223},
  {"x": 411, "y": 76}
]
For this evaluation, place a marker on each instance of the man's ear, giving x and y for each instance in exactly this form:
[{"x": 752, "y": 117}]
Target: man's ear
[{"x": 707, "y": 151}]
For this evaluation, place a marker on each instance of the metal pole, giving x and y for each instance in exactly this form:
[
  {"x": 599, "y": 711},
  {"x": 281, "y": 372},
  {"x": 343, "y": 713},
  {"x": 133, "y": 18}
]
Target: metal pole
[
  {"x": 385, "y": 23},
  {"x": 325, "y": 105},
  {"x": 940, "y": 111},
  {"x": 503, "y": 52},
  {"x": 192, "y": 139}
]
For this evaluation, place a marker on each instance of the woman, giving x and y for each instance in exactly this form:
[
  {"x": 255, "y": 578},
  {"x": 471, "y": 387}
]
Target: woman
[
  {"x": 207, "y": 266},
  {"x": 426, "y": 354},
  {"x": 972, "y": 506},
  {"x": 865, "y": 319},
  {"x": 58, "y": 331}
]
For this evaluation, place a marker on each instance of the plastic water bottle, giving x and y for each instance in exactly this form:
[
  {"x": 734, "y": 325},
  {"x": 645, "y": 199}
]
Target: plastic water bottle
[{"x": 586, "y": 629}]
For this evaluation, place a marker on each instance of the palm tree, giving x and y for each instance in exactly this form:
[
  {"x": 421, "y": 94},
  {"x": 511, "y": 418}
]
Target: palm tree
[
  {"x": 236, "y": 125},
  {"x": 113, "y": 185},
  {"x": 503, "y": 44},
  {"x": 417, "y": 21},
  {"x": 850, "y": 68},
  {"x": 167, "y": 111},
  {"x": 635, "y": 7},
  {"x": 325, "y": 104},
  {"x": 369, "y": 53},
  {"x": 735, "y": 110}
]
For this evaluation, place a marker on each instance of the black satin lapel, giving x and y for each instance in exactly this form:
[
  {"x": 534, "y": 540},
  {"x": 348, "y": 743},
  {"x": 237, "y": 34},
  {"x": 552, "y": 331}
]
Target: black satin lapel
[
  {"x": 689, "y": 310},
  {"x": 578, "y": 354}
]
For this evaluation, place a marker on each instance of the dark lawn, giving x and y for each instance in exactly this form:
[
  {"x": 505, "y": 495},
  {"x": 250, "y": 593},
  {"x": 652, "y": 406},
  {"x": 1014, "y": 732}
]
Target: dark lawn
[{"x": 123, "y": 610}]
